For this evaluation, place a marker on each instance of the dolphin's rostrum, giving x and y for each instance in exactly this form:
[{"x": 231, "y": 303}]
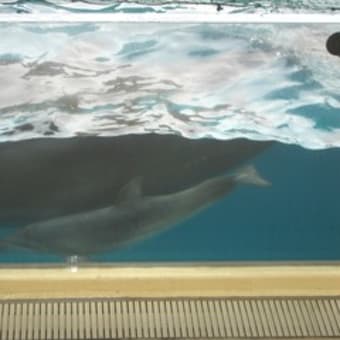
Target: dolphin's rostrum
[{"x": 134, "y": 217}]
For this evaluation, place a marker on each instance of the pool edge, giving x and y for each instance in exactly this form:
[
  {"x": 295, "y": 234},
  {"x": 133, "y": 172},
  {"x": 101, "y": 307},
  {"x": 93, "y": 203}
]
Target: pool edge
[{"x": 170, "y": 281}]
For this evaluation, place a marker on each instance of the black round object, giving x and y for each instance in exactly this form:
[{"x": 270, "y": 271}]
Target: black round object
[{"x": 333, "y": 44}]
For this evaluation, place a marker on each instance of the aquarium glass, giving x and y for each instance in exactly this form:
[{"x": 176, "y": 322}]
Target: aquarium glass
[{"x": 128, "y": 141}]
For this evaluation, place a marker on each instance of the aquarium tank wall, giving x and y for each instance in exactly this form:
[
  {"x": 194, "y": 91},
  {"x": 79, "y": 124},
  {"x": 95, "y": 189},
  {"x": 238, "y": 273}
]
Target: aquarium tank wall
[{"x": 154, "y": 131}]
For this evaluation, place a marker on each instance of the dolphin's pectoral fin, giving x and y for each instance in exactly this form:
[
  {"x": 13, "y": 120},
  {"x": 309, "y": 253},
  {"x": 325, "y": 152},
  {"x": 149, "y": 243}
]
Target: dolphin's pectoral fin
[{"x": 131, "y": 191}]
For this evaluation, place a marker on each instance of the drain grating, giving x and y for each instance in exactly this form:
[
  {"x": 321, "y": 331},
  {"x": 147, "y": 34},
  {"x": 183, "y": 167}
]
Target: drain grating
[{"x": 173, "y": 318}]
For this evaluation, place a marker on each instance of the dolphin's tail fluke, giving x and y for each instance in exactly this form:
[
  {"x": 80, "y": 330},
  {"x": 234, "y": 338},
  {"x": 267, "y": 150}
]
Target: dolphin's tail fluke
[{"x": 249, "y": 175}]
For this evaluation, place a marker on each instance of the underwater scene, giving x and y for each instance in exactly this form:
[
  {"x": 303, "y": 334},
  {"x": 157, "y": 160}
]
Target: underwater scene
[{"x": 168, "y": 142}]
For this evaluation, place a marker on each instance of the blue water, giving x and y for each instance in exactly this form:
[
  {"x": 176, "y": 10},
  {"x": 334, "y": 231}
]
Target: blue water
[{"x": 297, "y": 218}]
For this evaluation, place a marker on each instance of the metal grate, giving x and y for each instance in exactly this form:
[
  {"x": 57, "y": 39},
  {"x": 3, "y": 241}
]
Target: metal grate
[{"x": 172, "y": 318}]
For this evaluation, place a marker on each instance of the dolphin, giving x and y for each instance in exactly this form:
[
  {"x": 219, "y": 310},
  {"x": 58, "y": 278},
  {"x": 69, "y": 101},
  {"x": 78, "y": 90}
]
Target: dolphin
[
  {"x": 46, "y": 178},
  {"x": 135, "y": 217}
]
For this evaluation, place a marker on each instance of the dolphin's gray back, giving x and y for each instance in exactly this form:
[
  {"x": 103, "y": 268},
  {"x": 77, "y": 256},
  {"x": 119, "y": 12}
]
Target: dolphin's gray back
[{"x": 185, "y": 203}]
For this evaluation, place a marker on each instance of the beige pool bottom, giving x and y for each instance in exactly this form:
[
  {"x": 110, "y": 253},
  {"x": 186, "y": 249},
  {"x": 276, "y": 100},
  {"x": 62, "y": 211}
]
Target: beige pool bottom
[{"x": 171, "y": 281}]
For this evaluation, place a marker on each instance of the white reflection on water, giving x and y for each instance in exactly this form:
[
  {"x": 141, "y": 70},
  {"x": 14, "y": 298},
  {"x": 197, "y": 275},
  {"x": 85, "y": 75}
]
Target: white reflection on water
[{"x": 222, "y": 81}]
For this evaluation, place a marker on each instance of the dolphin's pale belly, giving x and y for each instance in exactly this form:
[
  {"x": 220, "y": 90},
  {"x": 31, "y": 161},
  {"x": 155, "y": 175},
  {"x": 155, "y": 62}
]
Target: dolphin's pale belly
[
  {"x": 80, "y": 234},
  {"x": 95, "y": 231}
]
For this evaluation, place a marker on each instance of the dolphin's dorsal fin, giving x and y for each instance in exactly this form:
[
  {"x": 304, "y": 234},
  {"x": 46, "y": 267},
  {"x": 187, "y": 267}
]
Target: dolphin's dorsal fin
[{"x": 131, "y": 191}]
